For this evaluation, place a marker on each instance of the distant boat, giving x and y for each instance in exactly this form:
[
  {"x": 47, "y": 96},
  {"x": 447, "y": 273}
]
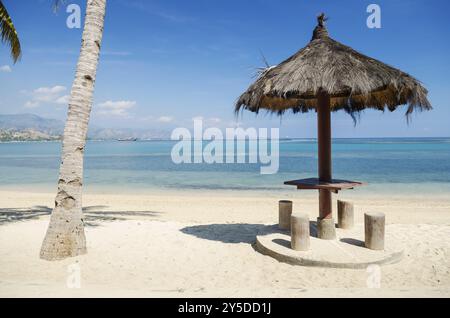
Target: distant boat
[{"x": 128, "y": 139}]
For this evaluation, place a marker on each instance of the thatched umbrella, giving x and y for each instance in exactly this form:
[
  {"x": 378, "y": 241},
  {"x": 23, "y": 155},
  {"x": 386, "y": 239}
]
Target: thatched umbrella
[{"x": 328, "y": 76}]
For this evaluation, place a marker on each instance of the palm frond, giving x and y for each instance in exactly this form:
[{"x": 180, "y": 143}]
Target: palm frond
[
  {"x": 8, "y": 33},
  {"x": 57, "y": 4},
  {"x": 264, "y": 59}
]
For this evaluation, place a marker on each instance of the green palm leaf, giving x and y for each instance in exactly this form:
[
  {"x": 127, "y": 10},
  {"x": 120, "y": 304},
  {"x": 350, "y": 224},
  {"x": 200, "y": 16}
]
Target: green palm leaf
[{"x": 9, "y": 34}]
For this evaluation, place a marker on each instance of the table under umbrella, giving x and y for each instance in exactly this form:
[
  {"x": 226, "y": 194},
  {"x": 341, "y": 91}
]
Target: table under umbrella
[{"x": 328, "y": 76}]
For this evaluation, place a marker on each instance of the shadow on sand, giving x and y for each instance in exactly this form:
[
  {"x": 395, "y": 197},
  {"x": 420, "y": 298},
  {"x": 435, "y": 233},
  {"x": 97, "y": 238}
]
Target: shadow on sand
[
  {"x": 352, "y": 241},
  {"x": 93, "y": 215},
  {"x": 235, "y": 233}
]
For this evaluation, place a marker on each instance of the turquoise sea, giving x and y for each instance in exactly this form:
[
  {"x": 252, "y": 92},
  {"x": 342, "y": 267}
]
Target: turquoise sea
[{"x": 404, "y": 166}]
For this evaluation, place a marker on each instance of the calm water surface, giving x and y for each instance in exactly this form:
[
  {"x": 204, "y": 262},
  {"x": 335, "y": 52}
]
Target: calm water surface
[{"x": 395, "y": 165}]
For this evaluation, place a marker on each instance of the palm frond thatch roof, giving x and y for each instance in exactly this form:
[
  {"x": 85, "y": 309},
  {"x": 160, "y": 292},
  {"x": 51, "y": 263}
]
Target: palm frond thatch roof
[{"x": 354, "y": 81}]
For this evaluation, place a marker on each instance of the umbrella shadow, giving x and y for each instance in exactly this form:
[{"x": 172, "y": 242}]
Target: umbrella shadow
[
  {"x": 233, "y": 233},
  {"x": 93, "y": 215}
]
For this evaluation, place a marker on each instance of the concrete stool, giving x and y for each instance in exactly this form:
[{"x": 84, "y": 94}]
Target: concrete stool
[
  {"x": 284, "y": 214},
  {"x": 374, "y": 224},
  {"x": 300, "y": 232},
  {"x": 345, "y": 214}
]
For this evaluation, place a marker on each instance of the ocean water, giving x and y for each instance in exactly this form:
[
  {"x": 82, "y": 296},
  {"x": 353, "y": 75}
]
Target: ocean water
[{"x": 404, "y": 166}]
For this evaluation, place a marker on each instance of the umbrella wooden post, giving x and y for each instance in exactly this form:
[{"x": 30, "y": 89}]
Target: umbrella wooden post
[{"x": 325, "y": 226}]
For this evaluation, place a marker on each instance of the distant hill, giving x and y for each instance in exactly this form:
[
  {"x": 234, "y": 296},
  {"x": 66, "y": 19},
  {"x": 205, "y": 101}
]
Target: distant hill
[
  {"x": 30, "y": 127},
  {"x": 25, "y": 127},
  {"x": 126, "y": 133},
  {"x": 21, "y": 122}
]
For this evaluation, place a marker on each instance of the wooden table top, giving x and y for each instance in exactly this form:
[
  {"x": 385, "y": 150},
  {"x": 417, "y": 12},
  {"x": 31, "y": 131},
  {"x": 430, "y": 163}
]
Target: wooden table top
[{"x": 315, "y": 184}]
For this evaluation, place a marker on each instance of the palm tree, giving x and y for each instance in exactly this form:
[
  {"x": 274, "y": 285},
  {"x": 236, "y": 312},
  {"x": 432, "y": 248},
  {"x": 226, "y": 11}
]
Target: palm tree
[
  {"x": 65, "y": 235},
  {"x": 9, "y": 34}
]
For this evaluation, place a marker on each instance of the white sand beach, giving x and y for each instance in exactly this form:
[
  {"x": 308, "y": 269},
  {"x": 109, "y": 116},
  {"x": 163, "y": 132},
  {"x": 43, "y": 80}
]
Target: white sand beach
[{"x": 199, "y": 244}]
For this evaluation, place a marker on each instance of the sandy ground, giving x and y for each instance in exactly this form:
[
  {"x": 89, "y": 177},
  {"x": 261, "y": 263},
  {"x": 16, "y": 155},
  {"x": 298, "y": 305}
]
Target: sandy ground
[{"x": 199, "y": 244}]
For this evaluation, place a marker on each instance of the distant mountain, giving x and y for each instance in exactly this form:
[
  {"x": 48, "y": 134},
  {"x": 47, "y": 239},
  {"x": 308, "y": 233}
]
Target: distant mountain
[
  {"x": 30, "y": 127},
  {"x": 126, "y": 133},
  {"x": 22, "y": 122}
]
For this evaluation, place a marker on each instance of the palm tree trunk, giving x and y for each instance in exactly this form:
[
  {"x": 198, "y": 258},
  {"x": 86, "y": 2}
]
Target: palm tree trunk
[{"x": 65, "y": 234}]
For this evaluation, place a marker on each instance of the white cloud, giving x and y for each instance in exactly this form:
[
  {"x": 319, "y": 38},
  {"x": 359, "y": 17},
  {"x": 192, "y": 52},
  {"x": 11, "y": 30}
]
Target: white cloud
[
  {"x": 116, "y": 108},
  {"x": 31, "y": 104},
  {"x": 50, "y": 95},
  {"x": 5, "y": 69},
  {"x": 63, "y": 100},
  {"x": 211, "y": 121},
  {"x": 50, "y": 90},
  {"x": 165, "y": 119}
]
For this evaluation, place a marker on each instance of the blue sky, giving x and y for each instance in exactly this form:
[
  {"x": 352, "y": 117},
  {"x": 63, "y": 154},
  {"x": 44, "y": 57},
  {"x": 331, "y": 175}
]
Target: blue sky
[{"x": 165, "y": 62}]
